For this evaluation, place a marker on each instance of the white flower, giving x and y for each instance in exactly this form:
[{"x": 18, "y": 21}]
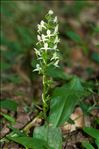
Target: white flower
[
  {"x": 39, "y": 28},
  {"x": 55, "y": 19},
  {"x": 56, "y": 29},
  {"x": 45, "y": 47},
  {"x": 43, "y": 37},
  {"x": 38, "y": 37},
  {"x": 56, "y": 63},
  {"x": 41, "y": 25},
  {"x": 55, "y": 46},
  {"x": 38, "y": 68},
  {"x": 50, "y": 12},
  {"x": 56, "y": 39},
  {"x": 55, "y": 56},
  {"x": 37, "y": 52},
  {"x": 48, "y": 33}
]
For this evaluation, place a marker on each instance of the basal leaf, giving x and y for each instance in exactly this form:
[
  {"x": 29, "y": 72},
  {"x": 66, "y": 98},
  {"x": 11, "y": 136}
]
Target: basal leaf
[
  {"x": 40, "y": 132},
  {"x": 92, "y": 132},
  {"x": 64, "y": 100},
  {"x": 87, "y": 145},
  {"x": 29, "y": 142},
  {"x": 55, "y": 138},
  {"x": 97, "y": 142},
  {"x": 51, "y": 135}
]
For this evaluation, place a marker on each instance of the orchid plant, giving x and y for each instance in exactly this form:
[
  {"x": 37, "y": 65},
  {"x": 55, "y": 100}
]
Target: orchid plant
[
  {"x": 63, "y": 99},
  {"x": 47, "y": 52}
]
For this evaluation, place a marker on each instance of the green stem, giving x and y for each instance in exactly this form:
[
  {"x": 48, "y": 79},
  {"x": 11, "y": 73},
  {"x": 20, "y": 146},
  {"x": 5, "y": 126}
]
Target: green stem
[
  {"x": 44, "y": 93},
  {"x": 46, "y": 86},
  {"x": 44, "y": 96}
]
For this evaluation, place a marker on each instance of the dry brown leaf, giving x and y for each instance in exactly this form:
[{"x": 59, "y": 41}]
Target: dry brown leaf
[{"x": 78, "y": 119}]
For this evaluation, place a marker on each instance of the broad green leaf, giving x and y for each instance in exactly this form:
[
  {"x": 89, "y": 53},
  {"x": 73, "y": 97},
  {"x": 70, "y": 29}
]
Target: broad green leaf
[
  {"x": 87, "y": 145},
  {"x": 87, "y": 108},
  {"x": 64, "y": 100},
  {"x": 41, "y": 132},
  {"x": 29, "y": 142},
  {"x": 74, "y": 36},
  {"x": 8, "y": 104},
  {"x": 97, "y": 142},
  {"x": 92, "y": 132},
  {"x": 57, "y": 73},
  {"x": 84, "y": 107},
  {"x": 55, "y": 138},
  {"x": 8, "y": 117},
  {"x": 51, "y": 135}
]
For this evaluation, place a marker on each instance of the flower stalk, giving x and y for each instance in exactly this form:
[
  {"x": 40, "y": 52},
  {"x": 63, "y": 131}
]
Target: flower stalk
[
  {"x": 47, "y": 53},
  {"x": 44, "y": 98}
]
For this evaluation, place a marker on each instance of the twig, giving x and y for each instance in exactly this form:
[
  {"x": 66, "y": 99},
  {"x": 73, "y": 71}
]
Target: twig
[{"x": 35, "y": 122}]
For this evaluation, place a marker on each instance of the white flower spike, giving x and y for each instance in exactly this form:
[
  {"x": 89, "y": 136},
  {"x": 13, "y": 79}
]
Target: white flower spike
[{"x": 47, "y": 51}]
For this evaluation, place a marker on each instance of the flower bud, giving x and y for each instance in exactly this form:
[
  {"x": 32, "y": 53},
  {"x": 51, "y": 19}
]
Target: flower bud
[{"x": 50, "y": 12}]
